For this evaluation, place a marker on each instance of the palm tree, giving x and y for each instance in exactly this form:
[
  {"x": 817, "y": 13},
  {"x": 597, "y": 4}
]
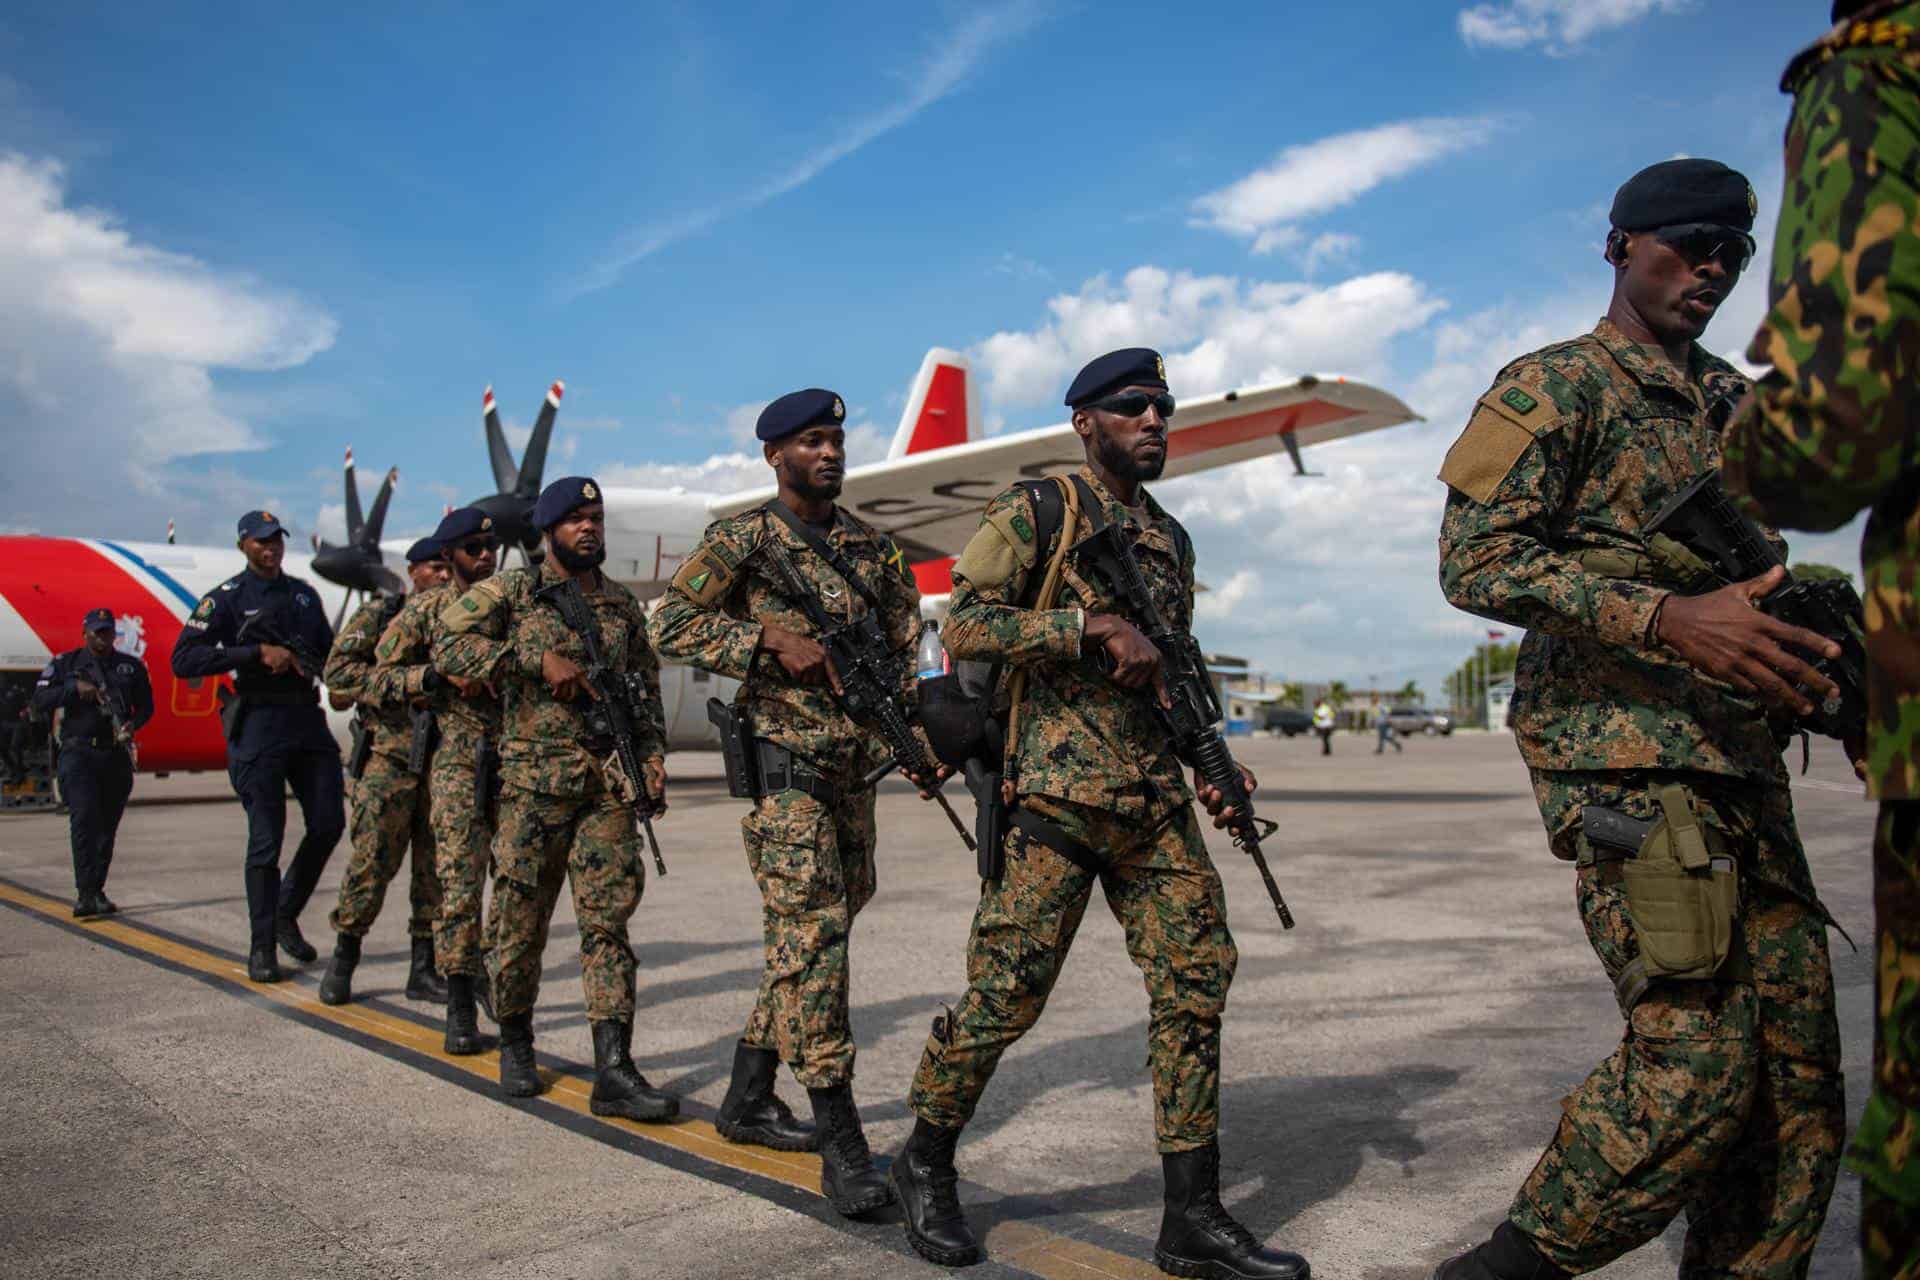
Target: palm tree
[
  {"x": 1411, "y": 695},
  {"x": 1337, "y": 694},
  {"x": 1293, "y": 694}
]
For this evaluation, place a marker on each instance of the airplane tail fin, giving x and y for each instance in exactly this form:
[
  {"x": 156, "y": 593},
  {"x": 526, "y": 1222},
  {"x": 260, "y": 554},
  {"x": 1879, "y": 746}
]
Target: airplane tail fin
[{"x": 942, "y": 408}]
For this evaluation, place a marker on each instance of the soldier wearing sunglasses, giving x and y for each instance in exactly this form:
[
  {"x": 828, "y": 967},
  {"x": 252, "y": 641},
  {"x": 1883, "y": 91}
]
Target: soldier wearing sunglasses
[{"x": 1636, "y": 701}]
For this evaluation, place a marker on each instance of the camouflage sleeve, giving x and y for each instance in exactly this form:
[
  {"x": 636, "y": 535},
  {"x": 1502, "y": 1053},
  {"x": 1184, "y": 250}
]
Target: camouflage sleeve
[
  {"x": 470, "y": 637},
  {"x": 403, "y": 656},
  {"x": 1507, "y": 475},
  {"x": 651, "y": 727},
  {"x": 1826, "y": 432},
  {"x": 984, "y": 621},
  {"x": 691, "y": 625},
  {"x": 349, "y": 666}
]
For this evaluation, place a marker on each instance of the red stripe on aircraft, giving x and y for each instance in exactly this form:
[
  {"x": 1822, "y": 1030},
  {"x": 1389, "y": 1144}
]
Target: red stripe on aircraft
[
  {"x": 934, "y": 577},
  {"x": 1254, "y": 426},
  {"x": 943, "y": 415}
]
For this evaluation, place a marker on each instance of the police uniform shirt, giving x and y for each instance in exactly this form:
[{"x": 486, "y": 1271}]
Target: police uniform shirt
[
  {"x": 209, "y": 642},
  {"x": 87, "y": 722}
]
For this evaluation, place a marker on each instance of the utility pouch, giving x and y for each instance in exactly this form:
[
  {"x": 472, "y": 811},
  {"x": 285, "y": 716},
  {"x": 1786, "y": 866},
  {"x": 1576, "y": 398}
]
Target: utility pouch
[
  {"x": 359, "y": 747},
  {"x": 736, "y": 753},
  {"x": 1683, "y": 893},
  {"x": 989, "y": 818},
  {"x": 233, "y": 713}
]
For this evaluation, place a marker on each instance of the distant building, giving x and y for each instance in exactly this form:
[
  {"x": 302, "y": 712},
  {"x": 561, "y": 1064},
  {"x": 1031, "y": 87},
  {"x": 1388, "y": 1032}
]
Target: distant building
[{"x": 1499, "y": 693}]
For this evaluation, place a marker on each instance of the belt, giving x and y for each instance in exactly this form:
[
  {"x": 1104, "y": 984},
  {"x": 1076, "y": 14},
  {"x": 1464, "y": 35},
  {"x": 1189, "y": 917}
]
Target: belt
[
  {"x": 1040, "y": 831},
  {"x": 781, "y": 770}
]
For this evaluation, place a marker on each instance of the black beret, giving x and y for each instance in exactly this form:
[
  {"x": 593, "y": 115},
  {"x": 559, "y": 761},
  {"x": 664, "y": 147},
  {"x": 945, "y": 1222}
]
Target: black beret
[
  {"x": 798, "y": 410},
  {"x": 462, "y": 522},
  {"x": 424, "y": 549},
  {"x": 1128, "y": 367},
  {"x": 1679, "y": 191},
  {"x": 562, "y": 496},
  {"x": 98, "y": 620}
]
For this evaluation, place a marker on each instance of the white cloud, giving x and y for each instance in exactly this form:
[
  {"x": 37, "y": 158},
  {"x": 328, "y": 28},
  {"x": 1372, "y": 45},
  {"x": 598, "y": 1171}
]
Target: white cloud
[
  {"x": 108, "y": 348},
  {"x": 1328, "y": 248},
  {"x": 939, "y": 75},
  {"x": 1314, "y": 177},
  {"x": 1557, "y": 24}
]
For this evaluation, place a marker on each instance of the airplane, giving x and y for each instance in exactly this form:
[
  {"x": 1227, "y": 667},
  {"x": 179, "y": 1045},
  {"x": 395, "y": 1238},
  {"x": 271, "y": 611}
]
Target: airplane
[{"x": 927, "y": 494}]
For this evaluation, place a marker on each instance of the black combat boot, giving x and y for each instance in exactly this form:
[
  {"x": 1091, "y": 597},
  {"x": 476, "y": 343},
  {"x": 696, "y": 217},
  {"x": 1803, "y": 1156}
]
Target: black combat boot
[
  {"x": 618, "y": 1087},
  {"x": 85, "y": 906},
  {"x": 261, "y": 966},
  {"x": 752, "y": 1112},
  {"x": 104, "y": 903},
  {"x": 463, "y": 1027},
  {"x": 287, "y": 931},
  {"x": 1198, "y": 1237},
  {"x": 336, "y": 985},
  {"x": 518, "y": 1076},
  {"x": 928, "y": 1186},
  {"x": 1509, "y": 1255},
  {"x": 423, "y": 980},
  {"x": 847, "y": 1176}
]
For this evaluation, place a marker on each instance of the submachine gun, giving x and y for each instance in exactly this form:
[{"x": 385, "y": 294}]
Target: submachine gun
[
  {"x": 1195, "y": 711},
  {"x": 610, "y": 711},
  {"x": 1729, "y": 547},
  {"x": 870, "y": 679}
]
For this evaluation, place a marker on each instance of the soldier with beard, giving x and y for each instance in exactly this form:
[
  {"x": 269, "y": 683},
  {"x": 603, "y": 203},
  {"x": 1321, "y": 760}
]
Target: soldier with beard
[
  {"x": 465, "y": 757},
  {"x": 559, "y": 818}
]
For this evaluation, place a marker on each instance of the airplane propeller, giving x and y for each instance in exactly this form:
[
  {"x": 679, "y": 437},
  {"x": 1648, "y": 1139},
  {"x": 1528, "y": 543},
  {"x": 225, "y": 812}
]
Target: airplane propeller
[
  {"x": 511, "y": 506},
  {"x": 357, "y": 565}
]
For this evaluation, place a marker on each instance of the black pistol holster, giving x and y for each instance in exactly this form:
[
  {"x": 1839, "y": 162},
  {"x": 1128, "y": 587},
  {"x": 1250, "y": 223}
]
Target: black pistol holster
[
  {"x": 756, "y": 767},
  {"x": 424, "y": 733},
  {"x": 360, "y": 745},
  {"x": 233, "y": 713}
]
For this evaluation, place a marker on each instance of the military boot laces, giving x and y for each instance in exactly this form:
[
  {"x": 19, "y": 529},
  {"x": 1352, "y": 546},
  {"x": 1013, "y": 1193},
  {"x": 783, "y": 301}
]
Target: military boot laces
[
  {"x": 1198, "y": 1237},
  {"x": 519, "y": 1078},
  {"x": 463, "y": 1024},
  {"x": 336, "y": 985},
  {"x": 847, "y": 1177},
  {"x": 929, "y": 1189},
  {"x": 752, "y": 1112},
  {"x": 618, "y": 1087},
  {"x": 423, "y": 980}
]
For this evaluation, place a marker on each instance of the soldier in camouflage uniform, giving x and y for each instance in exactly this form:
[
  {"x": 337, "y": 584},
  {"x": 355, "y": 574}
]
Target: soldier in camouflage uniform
[
  {"x": 810, "y": 844},
  {"x": 389, "y": 800},
  {"x": 469, "y": 717},
  {"x": 561, "y": 818},
  {"x": 1724, "y": 1098},
  {"x": 1831, "y": 430},
  {"x": 1099, "y": 799}
]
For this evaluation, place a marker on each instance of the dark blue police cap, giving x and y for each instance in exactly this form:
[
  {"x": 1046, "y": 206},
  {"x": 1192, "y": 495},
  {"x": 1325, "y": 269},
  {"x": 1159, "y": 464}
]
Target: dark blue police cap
[
  {"x": 261, "y": 524},
  {"x": 463, "y": 522},
  {"x": 424, "y": 549},
  {"x": 1128, "y": 367},
  {"x": 562, "y": 496},
  {"x": 798, "y": 410},
  {"x": 98, "y": 620},
  {"x": 1674, "y": 192}
]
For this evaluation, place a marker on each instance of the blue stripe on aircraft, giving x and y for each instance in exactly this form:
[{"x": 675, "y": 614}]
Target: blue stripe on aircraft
[{"x": 166, "y": 580}]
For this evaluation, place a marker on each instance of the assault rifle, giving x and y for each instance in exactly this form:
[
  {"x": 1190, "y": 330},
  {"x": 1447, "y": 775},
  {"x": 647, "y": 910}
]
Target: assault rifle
[
  {"x": 269, "y": 626},
  {"x": 1195, "y": 711},
  {"x": 1703, "y": 521},
  {"x": 111, "y": 698},
  {"x": 610, "y": 711},
  {"x": 870, "y": 675}
]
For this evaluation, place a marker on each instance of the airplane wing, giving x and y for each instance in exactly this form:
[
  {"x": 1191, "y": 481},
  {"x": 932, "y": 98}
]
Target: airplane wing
[{"x": 930, "y": 502}]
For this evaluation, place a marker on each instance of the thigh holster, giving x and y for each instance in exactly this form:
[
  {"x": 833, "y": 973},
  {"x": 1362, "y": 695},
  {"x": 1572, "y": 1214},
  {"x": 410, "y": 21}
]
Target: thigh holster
[{"x": 1040, "y": 831}]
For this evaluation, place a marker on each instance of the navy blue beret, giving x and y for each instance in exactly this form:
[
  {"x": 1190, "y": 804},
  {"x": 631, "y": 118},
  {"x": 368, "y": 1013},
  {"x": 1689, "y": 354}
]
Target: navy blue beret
[
  {"x": 562, "y": 496},
  {"x": 1128, "y": 367},
  {"x": 1680, "y": 191},
  {"x": 98, "y": 620},
  {"x": 798, "y": 410},
  {"x": 462, "y": 522},
  {"x": 424, "y": 549},
  {"x": 260, "y": 524}
]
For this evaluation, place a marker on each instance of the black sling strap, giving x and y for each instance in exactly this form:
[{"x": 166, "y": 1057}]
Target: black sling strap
[{"x": 825, "y": 550}]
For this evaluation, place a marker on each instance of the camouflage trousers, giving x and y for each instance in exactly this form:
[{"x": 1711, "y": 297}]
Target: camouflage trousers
[
  {"x": 462, "y": 838},
  {"x": 1886, "y": 1150},
  {"x": 1725, "y": 1097},
  {"x": 390, "y": 812},
  {"x": 1162, "y": 888},
  {"x": 814, "y": 866},
  {"x": 589, "y": 842}
]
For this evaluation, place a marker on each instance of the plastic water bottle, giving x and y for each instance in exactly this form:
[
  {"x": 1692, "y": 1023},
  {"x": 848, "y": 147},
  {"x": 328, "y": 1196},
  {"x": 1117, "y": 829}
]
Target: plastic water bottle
[{"x": 930, "y": 660}]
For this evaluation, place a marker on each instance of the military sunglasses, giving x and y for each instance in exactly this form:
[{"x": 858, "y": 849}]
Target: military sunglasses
[
  {"x": 1701, "y": 241},
  {"x": 1131, "y": 404},
  {"x": 477, "y": 546}
]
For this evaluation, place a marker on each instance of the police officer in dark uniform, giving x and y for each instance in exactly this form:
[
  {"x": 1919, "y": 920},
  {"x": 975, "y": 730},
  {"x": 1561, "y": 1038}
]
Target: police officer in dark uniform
[
  {"x": 270, "y": 631},
  {"x": 96, "y": 755}
]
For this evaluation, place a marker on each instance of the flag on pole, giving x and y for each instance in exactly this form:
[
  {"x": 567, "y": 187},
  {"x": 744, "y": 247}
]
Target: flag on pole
[{"x": 1496, "y": 635}]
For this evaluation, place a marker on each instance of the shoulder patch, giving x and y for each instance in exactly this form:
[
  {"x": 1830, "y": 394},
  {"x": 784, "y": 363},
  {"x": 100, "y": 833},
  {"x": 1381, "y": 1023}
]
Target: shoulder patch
[
  {"x": 1485, "y": 453},
  {"x": 705, "y": 577},
  {"x": 204, "y": 608},
  {"x": 1521, "y": 405}
]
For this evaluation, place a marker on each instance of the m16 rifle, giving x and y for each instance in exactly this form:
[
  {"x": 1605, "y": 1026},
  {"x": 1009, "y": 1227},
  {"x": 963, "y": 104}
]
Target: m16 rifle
[
  {"x": 871, "y": 676},
  {"x": 1195, "y": 708},
  {"x": 111, "y": 698},
  {"x": 609, "y": 711},
  {"x": 1709, "y": 530}
]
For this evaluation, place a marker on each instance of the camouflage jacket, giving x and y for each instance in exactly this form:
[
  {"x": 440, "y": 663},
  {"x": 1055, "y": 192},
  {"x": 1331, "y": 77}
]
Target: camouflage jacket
[
  {"x": 1562, "y": 464},
  {"x": 406, "y": 651},
  {"x": 726, "y": 593},
  {"x": 1081, "y": 737},
  {"x": 499, "y": 632},
  {"x": 349, "y": 673},
  {"x": 1835, "y": 427}
]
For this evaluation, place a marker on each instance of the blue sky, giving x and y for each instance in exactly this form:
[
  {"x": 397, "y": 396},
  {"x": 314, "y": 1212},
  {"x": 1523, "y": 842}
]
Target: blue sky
[{"x": 244, "y": 242}]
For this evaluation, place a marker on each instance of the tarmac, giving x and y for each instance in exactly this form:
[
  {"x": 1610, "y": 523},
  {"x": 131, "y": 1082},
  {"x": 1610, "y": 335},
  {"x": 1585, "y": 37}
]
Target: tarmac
[{"x": 1392, "y": 1067}]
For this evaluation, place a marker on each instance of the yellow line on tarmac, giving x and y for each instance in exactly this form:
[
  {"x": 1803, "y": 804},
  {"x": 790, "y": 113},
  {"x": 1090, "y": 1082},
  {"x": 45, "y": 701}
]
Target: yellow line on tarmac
[{"x": 1015, "y": 1244}]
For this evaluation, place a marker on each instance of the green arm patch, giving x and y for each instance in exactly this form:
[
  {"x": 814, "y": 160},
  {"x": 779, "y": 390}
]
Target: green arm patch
[{"x": 704, "y": 578}]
